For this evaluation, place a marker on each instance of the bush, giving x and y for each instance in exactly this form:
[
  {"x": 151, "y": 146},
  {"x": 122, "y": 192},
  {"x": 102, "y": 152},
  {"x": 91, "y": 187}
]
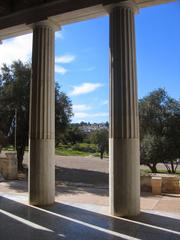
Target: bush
[{"x": 85, "y": 147}]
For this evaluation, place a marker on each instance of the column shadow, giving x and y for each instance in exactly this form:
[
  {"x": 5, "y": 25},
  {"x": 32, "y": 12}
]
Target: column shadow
[
  {"x": 81, "y": 176},
  {"x": 67, "y": 222}
]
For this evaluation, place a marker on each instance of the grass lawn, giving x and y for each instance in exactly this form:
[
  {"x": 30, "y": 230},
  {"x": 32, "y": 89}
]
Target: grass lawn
[
  {"x": 81, "y": 149},
  {"x": 8, "y": 148},
  {"x": 70, "y": 152},
  {"x": 11, "y": 148},
  {"x": 158, "y": 171}
]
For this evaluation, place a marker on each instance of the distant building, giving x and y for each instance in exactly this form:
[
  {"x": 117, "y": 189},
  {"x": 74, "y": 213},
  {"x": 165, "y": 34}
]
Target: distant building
[{"x": 88, "y": 127}]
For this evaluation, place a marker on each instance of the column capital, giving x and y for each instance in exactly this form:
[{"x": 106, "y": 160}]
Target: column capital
[
  {"x": 131, "y": 4},
  {"x": 47, "y": 23}
]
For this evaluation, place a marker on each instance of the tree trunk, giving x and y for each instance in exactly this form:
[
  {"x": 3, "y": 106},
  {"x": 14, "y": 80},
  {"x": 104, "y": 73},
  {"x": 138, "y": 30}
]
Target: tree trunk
[
  {"x": 167, "y": 167},
  {"x": 20, "y": 157},
  {"x": 172, "y": 167},
  {"x": 152, "y": 167}
]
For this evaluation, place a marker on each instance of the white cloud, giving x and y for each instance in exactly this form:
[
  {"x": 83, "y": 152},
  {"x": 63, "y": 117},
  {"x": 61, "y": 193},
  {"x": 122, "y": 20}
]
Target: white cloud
[
  {"x": 100, "y": 114},
  {"x": 81, "y": 107},
  {"x": 60, "y": 69},
  {"x": 85, "y": 88},
  {"x": 18, "y": 48},
  {"x": 58, "y": 35},
  {"x": 65, "y": 58},
  {"x": 105, "y": 102},
  {"x": 79, "y": 116}
]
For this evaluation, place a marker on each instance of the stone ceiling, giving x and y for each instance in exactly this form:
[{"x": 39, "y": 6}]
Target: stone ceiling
[
  {"x": 11, "y": 6},
  {"x": 16, "y": 16}
]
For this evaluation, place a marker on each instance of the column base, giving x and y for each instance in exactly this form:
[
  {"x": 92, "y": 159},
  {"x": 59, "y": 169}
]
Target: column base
[
  {"x": 41, "y": 172},
  {"x": 124, "y": 177}
]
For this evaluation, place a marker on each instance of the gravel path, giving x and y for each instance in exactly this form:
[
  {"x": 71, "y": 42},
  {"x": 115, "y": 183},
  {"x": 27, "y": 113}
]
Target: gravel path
[
  {"x": 84, "y": 163},
  {"x": 88, "y": 163}
]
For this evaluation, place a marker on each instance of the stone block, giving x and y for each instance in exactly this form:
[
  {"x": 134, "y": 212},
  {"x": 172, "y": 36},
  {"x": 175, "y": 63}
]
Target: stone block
[
  {"x": 156, "y": 183},
  {"x": 146, "y": 184},
  {"x": 171, "y": 185},
  {"x": 9, "y": 166}
]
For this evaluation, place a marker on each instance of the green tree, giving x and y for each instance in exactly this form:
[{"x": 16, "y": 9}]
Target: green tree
[
  {"x": 159, "y": 129},
  {"x": 3, "y": 140},
  {"x": 151, "y": 150},
  {"x": 14, "y": 94},
  {"x": 101, "y": 138},
  {"x": 74, "y": 134},
  {"x": 63, "y": 114}
]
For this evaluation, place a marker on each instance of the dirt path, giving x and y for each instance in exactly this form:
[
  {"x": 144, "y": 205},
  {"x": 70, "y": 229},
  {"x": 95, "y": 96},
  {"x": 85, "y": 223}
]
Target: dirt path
[
  {"x": 88, "y": 163},
  {"x": 84, "y": 163}
]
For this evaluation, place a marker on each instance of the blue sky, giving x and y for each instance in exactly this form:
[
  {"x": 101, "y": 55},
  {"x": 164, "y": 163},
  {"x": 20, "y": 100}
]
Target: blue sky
[{"x": 82, "y": 58}]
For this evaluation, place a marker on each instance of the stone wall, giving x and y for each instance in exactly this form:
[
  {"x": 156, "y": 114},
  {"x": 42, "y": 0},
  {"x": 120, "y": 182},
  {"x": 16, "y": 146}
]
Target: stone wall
[
  {"x": 8, "y": 166},
  {"x": 170, "y": 183}
]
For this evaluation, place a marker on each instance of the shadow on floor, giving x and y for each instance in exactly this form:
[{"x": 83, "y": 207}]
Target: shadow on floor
[
  {"x": 60, "y": 221},
  {"x": 66, "y": 188},
  {"x": 81, "y": 176},
  {"x": 19, "y": 186},
  {"x": 71, "y": 181}
]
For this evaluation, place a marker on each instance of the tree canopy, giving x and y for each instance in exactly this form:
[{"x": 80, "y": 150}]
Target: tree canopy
[
  {"x": 63, "y": 113},
  {"x": 101, "y": 138},
  {"x": 159, "y": 129},
  {"x": 15, "y": 95}
]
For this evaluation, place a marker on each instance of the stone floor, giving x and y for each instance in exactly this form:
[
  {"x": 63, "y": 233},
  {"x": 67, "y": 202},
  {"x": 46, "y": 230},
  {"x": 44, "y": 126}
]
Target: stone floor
[
  {"x": 92, "y": 195},
  {"x": 64, "y": 221},
  {"x": 81, "y": 212}
]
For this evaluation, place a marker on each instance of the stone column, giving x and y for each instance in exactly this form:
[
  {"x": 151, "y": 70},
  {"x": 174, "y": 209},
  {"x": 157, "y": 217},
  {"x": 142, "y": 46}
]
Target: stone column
[
  {"x": 42, "y": 116},
  {"x": 124, "y": 126}
]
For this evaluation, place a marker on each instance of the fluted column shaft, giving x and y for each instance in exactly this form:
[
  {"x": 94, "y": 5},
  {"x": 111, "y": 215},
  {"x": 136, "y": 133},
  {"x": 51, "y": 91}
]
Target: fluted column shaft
[
  {"x": 124, "y": 126},
  {"x": 42, "y": 117}
]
